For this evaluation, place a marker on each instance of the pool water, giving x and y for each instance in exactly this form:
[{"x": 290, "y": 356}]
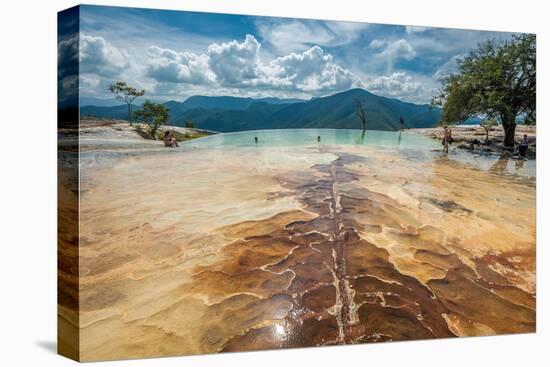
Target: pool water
[
  {"x": 413, "y": 146},
  {"x": 303, "y": 137}
]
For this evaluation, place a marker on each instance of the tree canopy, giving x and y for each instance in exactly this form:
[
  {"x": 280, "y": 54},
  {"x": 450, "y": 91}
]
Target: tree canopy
[
  {"x": 154, "y": 115},
  {"x": 123, "y": 92},
  {"x": 496, "y": 80}
]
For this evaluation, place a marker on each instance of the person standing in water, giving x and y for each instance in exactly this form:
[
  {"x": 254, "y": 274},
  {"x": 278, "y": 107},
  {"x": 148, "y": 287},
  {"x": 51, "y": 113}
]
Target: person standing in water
[
  {"x": 523, "y": 146},
  {"x": 318, "y": 138},
  {"x": 446, "y": 140},
  {"x": 256, "y": 139}
]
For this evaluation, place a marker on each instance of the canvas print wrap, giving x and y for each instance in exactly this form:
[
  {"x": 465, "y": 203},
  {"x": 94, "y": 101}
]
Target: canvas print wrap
[{"x": 236, "y": 183}]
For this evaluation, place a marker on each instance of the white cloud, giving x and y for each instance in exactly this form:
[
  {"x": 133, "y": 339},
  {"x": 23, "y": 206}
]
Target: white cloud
[
  {"x": 401, "y": 85},
  {"x": 88, "y": 81},
  {"x": 88, "y": 84},
  {"x": 184, "y": 67},
  {"x": 235, "y": 63},
  {"x": 99, "y": 56},
  {"x": 345, "y": 32},
  {"x": 238, "y": 65},
  {"x": 415, "y": 29},
  {"x": 447, "y": 69},
  {"x": 400, "y": 49},
  {"x": 448, "y": 41},
  {"x": 377, "y": 44},
  {"x": 298, "y": 35},
  {"x": 387, "y": 53},
  {"x": 312, "y": 70}
]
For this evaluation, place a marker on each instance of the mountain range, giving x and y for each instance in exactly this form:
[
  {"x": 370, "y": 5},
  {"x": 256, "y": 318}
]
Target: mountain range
[{"x": 226, "y": 114}]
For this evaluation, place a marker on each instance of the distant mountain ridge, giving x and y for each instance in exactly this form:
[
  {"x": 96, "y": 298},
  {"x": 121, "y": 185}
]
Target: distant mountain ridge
[{"x": 226, "y": 114}]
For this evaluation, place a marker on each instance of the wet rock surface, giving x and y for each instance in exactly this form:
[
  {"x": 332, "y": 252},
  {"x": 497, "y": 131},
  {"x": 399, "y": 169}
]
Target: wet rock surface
[{"x": 333, "y": 246}]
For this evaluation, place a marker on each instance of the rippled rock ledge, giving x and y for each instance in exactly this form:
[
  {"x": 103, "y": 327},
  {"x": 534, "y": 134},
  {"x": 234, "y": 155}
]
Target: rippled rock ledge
[{"x": 205, "y": 251}]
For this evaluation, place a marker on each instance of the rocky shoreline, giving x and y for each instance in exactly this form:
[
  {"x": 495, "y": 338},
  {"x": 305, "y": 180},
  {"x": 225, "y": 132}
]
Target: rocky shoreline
[
  {"x": 110, "y": 134},
  {"x": 467, "y": 137},
  {"x": 106, "y": 126}
]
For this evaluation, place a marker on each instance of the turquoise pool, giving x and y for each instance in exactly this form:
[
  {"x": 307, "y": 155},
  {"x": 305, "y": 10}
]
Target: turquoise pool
[{"x": 304, "y": 137}]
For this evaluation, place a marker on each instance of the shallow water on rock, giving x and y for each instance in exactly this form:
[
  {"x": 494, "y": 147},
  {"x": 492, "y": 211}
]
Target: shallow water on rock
[{"x": 304, "y": 137}]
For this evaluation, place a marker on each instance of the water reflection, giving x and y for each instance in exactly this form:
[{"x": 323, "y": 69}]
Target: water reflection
[
  {"x": 519, "y": 164},
  {"x": 503, "y": 164},
  {"x": 361, "y": 140},
  {"x": 499, "y": 167}
]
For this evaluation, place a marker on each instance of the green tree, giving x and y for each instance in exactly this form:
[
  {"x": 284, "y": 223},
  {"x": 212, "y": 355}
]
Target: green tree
[
  {"x": 189, "y": 124},
  {"x": 154, "y": 115},
  {"x": 126, "y": 93},
  {"x": 496, "y": 80}
]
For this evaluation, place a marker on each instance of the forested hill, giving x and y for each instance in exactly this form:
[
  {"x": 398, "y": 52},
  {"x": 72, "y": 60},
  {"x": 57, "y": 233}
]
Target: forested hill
[{"x": 227, "y": 114}]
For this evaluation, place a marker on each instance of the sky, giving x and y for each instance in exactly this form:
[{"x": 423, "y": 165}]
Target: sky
[{"x": 177, "y": 54}]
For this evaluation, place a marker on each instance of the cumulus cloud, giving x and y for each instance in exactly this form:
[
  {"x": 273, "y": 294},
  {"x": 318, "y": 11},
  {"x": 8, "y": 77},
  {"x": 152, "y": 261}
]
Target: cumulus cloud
[
  {"x": 400, "y": 85},
  {"x": 99, "y": 56},
  {"x": 183, "y": 67},
  {"x": 235, "y": 63},
  {"x": 238, "y": 65},
  {"x": 312, "y": 70}
]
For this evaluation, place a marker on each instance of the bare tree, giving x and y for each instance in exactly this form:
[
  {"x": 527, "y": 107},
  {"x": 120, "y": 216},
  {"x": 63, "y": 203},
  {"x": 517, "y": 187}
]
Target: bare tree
[
  {"x": 360, "y": 112},
  {"x": 488, "y": 126}
]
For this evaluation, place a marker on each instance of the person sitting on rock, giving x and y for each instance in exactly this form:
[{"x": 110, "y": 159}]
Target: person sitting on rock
[
  {"x": 170, "y": 140},
  {"x": 473, "y": 144}
]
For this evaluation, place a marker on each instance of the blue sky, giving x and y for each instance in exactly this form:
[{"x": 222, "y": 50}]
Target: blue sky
[{"x": 175, "y": 54}]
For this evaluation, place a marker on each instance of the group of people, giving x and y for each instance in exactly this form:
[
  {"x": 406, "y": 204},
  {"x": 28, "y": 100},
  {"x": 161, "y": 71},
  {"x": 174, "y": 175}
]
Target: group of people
[
  {"x": 447, "y": 140},
  {"x": 171, "y": 141}
]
